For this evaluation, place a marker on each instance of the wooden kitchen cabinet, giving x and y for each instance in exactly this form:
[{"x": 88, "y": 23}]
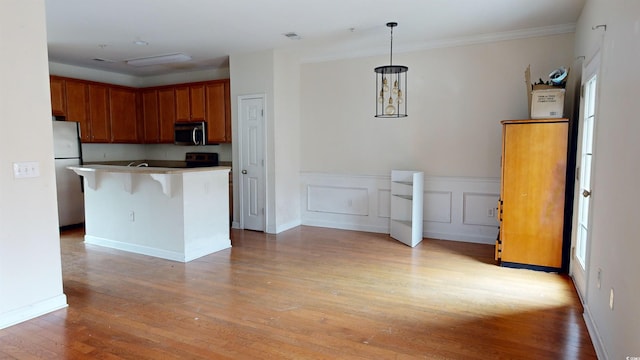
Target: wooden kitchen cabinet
[
  {"x": 123, "y": 116},
  {"x": 150, "y": 118},
  {"x": 218, "y": 112},
  {"x": 190, "y": 103},
  {"x": 77, "y": 98},
  {"x": 57, "y": 89},
  {"x": 118, "y": 114},
  {"x": 158, "y": 115},
  {"x": 166, "y": 114},
  {"x": 99, "y": 113},
  {"x": 532, "y": 193}
]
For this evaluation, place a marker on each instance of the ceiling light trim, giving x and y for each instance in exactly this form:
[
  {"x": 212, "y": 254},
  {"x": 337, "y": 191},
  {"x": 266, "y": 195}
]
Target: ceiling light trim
[{"x": 158, "y": 59}]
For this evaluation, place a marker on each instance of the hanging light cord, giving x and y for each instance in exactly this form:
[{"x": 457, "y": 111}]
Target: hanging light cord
[{"x": 391, "y": 50}]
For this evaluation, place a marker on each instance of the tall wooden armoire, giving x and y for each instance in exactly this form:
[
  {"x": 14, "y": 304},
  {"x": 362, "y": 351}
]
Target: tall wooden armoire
[{"x": 532, "y": 193}]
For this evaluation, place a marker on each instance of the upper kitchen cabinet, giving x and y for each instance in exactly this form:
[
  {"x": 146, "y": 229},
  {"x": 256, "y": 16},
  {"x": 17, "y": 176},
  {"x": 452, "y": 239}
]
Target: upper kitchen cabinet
[
  {"x": 218, "y": 111},
  {"x": 77, "y": 106},
  {"x": 150, "y": 118},
  {"x": 119, "y": 114},
  {"x": 123, "y": 115},
  {"x": 166, "y": 114},
  {"x": 190, "y": 102},
  {"x": 58, "y": 104},
  {"x": 99, "y": 113}
]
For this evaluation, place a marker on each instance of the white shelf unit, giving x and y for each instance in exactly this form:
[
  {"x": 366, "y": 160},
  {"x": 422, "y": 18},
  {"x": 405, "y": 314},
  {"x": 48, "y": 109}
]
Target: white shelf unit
[{"x": 407, "y": 189}]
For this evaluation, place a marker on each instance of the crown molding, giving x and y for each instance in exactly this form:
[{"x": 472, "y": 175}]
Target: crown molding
[{"x": 453, "y": 42}]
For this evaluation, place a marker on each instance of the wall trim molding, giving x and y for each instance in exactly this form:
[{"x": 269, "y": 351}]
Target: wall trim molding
[{"x": 362, "y": 203}]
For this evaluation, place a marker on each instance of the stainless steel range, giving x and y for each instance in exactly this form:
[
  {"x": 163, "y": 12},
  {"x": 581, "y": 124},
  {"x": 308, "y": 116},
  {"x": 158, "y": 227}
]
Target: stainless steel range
[{"x": 201, "y": 159}]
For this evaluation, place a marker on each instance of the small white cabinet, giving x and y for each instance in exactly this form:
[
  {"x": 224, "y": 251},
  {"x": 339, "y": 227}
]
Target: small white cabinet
[{"x": 406, "y": 206}]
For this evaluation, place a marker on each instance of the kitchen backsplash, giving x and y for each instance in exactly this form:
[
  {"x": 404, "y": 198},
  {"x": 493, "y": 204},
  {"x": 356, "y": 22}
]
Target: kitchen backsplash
[{"x": 114, "y": 152}]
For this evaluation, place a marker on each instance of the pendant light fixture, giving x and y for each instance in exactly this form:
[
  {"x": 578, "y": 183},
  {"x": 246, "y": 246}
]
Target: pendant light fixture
[{"x": 391, "y": 86}]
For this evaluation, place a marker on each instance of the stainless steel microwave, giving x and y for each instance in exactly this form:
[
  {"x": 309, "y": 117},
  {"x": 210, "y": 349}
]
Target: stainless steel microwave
[{"x": 190, "y": 133}]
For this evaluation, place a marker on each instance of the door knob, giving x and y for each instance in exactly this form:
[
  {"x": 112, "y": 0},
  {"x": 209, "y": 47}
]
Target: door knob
[
  {"x": 245, "y": 172},
  {"x": 586, "y": 193}
]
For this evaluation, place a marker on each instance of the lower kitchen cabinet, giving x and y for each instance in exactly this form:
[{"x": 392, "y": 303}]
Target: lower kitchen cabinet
[{"x": 532, "y": 193}]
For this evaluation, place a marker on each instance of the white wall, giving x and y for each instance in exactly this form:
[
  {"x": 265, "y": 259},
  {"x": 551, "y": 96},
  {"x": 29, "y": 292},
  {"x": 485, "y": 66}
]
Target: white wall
[
  {"x": 456, "y": 98},
  {"x": 287, "y": 140},
  {"x": 113, "y": 152},
  {"x": 252, "y": 74},
  {"x": 275, "y": 74},
  {"x": 30, "y": 267},
  {"x": 614, "y": 237}
]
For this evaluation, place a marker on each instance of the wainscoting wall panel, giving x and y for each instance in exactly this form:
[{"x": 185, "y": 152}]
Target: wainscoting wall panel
[
  {"x": 455, "y": 208},
  {"x": 437, "y": 206},
  {"x": 338, "y": 200}
]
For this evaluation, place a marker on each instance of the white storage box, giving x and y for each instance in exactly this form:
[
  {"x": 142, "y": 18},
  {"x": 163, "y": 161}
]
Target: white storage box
[{"x": 547, "y": 103}]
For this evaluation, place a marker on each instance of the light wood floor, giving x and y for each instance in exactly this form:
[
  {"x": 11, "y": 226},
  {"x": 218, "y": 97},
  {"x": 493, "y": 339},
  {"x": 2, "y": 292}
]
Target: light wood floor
[{"x": 308, "y": 293}]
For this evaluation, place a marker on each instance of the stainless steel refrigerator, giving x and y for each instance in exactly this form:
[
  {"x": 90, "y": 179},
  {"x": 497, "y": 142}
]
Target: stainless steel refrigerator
[{"x": 67, "y": 152}]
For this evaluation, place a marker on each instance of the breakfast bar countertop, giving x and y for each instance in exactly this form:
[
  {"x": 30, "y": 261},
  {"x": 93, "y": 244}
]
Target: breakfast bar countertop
[{"x": 144, "y": 169}]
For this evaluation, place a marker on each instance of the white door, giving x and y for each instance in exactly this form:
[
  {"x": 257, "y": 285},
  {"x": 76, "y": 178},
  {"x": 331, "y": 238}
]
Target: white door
[
  {"x": 252, "y": 162},
  {"x": 583, "y": 187}
]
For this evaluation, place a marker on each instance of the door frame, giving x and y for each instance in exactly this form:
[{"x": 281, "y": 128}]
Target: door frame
[
  {"x": 580, "y": 278},
  {"x": 242, "y": 149}
]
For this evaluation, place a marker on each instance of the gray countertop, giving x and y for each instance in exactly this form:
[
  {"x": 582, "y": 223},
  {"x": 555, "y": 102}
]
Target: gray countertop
[{"x": 144, "y": 169}]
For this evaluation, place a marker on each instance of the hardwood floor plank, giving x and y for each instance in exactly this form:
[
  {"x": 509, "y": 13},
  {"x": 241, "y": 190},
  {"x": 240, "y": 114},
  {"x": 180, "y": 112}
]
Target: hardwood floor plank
[{"x": 307, "y": 293}]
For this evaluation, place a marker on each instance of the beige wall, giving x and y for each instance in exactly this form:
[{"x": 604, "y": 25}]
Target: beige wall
[
  {"x": 276, "y": 75},
  {"x": 614, "y": 234},
  {"x": 287, "y": 140},
  {"x": 456, "y": 99},
  {"x": 30, "y": 267}
]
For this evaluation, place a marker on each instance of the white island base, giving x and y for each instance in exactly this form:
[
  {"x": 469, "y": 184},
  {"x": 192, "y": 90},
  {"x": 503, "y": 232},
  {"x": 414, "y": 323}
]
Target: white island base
[{"x": 174, "y": 214}]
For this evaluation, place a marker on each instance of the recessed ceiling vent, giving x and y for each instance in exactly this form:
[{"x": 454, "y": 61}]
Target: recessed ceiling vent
[{"x": 292, "y": 36}]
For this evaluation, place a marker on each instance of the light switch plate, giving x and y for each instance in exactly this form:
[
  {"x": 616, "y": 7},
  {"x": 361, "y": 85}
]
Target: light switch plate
[{"x": 27, "y": 169}]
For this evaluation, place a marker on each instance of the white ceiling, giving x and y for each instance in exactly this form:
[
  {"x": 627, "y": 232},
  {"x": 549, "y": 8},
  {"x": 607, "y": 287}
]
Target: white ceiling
[{"x": 80, "y": 31}]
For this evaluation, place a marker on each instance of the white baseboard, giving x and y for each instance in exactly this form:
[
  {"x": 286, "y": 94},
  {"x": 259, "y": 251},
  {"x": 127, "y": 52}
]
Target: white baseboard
[
  {"x": 596, "y": 339},
  {"x": 287, "y": 226},
  {"x": 202, "y": 249},
  {"x": 33, "y": 311}
]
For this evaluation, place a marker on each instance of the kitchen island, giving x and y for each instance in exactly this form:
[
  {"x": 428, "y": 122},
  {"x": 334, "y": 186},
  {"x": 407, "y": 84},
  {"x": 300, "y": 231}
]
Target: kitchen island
[{"x": 172, "y": 213}]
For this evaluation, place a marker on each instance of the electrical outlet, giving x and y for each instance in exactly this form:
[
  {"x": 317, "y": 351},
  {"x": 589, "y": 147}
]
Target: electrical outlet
[
  {"x": 599, "y": 280},
  {"x": 611, "y": 300},
  {"x": 132, "y": 216},
  {"x": 491, "y": 212}
]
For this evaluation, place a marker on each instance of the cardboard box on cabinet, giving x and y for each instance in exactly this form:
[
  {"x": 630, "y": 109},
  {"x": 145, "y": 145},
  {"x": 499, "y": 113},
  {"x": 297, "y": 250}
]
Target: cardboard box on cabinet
[{"x": 547, "y": 103}]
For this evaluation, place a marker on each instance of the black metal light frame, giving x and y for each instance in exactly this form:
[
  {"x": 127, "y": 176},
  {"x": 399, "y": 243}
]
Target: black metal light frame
[{"x": 391, "y": 86}]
